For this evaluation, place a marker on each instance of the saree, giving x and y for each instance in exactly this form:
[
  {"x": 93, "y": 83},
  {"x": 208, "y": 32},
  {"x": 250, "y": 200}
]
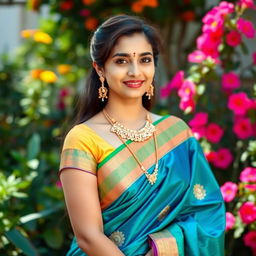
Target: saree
[{"x": 181, "y": 214}]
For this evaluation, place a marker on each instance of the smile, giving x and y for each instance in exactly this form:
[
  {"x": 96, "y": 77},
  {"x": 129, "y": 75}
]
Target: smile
[{"x": 134, "y": 83}]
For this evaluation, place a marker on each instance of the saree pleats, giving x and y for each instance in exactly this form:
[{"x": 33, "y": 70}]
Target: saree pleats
[{"x": 181, "y": 214}]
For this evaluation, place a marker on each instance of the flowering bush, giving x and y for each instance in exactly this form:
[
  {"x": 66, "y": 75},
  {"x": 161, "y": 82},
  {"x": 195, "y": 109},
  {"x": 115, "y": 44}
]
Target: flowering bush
[{"x": 223, "y": 113}]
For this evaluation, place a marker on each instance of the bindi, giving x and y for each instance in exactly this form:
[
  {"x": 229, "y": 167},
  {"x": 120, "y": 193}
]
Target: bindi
[{"x": 134, "y": 54}]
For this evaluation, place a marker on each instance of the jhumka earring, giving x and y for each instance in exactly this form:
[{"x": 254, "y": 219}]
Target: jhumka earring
[
  {"x": 150, "y": 91},
  {"x": 102, "y": 90}
]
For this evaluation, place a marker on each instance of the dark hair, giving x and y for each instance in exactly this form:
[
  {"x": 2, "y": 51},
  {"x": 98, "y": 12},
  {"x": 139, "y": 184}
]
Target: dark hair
[{"x": 102, "y": 42}]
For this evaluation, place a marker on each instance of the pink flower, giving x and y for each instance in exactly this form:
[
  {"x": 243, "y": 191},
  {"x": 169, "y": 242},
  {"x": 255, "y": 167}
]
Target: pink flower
[
  {"x": 254, "y": 58},
  {"x": 230, "y": 221},
  {"x": 196, "y": 56},
  {"x": 233, "y": 38},
  {"x": 209, "y": 44},
  {"x": 250, "y": 240},
  {"x": 198, "y": 132},
  {"x": 243, "y": 128},
  {"x": 85, "y": 12},
  {"x": 226, "y": 7},
  {"x": 199, "y": 119},
  {"x": 214, "y": 133},
  {"x": 187, "y": 90},
  {"x": 223, "y": 158},
  {"x": 248, "y": 174},
  {"x": 246, "y": 27},
  {"x": 239, "y": 103},
  {"x": 175, "y": 83},
  {"x": 210, "y": 156},
  {"x": 187, "y": 104},
  {"x": 228, "y": 191},
  {"x": 251, "y": 187},
  {"x": 64, "y": 92},
  {"x": 58, "y": 184},
  {"x": 247, "y": 212},
  {"x": 230, "y": 81},
  {"x": 247, "y": 3}
]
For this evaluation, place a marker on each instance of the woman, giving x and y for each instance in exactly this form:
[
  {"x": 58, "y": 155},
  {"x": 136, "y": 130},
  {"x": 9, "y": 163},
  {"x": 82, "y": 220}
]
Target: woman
[{"x": 135, "y": 183}]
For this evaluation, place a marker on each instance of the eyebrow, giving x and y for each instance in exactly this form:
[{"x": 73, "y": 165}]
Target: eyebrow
[{"x": 129, "y": 55}]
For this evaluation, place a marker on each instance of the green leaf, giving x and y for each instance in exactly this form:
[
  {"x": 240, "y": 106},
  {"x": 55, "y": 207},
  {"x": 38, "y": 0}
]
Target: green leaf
[
  {"x": 21, "y": 242},
  {"x": 34, "y": 145},
  {"x": 53, "y": 237}
]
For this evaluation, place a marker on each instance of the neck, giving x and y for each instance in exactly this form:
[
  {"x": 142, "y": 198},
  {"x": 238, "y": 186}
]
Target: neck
[{"x": 129, "y": 112}]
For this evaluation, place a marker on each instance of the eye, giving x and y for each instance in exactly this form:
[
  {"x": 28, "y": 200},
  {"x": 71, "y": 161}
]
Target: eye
[
  {"x": 146, "y": 59},
  {"x": 120, "y": 61}
]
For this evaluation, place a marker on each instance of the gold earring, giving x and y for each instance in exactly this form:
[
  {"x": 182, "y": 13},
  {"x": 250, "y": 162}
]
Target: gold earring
[
  {"x": 102, "y": 90},
  {"x": 150, "y": 91}
]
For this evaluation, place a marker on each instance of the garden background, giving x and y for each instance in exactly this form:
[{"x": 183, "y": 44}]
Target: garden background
[{"x": 206, "y": 75}]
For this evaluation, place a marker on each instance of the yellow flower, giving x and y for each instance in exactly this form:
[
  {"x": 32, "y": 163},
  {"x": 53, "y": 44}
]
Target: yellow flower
[
  {"x": 27, "y": 33},
  {"x": 42, "y": 37},
  {"x": 48, "y": 76},
  {"x": 64, "y": 69}
]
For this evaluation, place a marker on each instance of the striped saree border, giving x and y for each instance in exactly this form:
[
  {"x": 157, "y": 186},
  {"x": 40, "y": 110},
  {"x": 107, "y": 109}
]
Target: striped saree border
[
  {"x": 163, "y": 243},
  {"x": 120, "y": 171}
]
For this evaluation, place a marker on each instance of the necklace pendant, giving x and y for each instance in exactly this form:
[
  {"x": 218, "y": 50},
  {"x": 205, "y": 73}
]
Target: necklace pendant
[{"x": 152, "y": 178}]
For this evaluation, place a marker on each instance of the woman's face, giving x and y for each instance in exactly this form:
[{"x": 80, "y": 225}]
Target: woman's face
[{"x": 130, "y": 69}]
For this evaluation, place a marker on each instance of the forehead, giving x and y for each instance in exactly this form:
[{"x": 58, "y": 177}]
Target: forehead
[{"x": 136, "y": 42}]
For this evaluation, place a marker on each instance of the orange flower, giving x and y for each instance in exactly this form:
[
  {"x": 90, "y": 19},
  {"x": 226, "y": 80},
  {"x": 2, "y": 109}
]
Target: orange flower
[
  {"x": 64, "y": 69},
  {"x": 35, "y": 73},
  {"x": 88, "y": 2},
  {"x": 137, "y": 7},
  {"x": 34, "y": 4},
  {"x": 188, "y": 15},
  {"x": 150, "y": 3},
  {"x": 42, "y": 37},
  {"x": 48, "y": 76},
  {"x": 91, "y": 23},
  {"x": 27, "y": 33}
]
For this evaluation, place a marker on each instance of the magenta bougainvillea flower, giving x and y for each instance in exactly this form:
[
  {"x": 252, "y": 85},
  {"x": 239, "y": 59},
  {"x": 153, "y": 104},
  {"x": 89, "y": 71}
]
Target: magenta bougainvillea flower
[
  {"x": 199, "y": 119},
  {"x": 196, "y": 56},
  {"x": 250, "y": 240},
  {"x": 239, "y": 103},
  {"x": 187, "y": 90},
  {"x": 199, "y": 132},
  {"x": 233, "y": 38},
  {"x": 230, "y": 221},
  {"x": 254, "y": 58},
  {"x": 246, "y": 27},
  {"x": 251, "y": 187},
  {"x": 248, "y": 174},
  {"x": 243, "y": 128},
  {"x": 247, "y": 3},
  {"x": 228, "y": 191},
  {"x": 230, "y": 81},
  {"x": 247, "y": 212},
  {"x": 187, "y": 103},
  {"x": 222, "y": 158},
  {"x": 214, "y": 133}
]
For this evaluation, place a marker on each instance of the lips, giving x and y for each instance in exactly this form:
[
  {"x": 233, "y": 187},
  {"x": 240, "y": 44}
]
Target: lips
[{"x": 134, "y": 83}]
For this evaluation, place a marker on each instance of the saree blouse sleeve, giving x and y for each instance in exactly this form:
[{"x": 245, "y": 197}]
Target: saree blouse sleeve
[
  {"x": 79, "y": 151},
  {"x": 199, "y": 226}
]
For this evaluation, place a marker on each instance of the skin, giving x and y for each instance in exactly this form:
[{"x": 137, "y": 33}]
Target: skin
[{"x": 125, "y": 105}]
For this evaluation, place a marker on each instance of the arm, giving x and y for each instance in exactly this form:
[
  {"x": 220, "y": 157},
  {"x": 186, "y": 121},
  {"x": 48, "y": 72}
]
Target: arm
[
  {"x": 82, "y": 201},
  {"x": 198, "y": 228}
]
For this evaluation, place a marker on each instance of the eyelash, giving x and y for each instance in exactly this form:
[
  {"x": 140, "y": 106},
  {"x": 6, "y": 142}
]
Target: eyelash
[{"x": 144, "y": 60}]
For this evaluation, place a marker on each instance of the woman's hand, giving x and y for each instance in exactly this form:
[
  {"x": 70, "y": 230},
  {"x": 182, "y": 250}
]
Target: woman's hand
[{"x": 149, "y": 253}]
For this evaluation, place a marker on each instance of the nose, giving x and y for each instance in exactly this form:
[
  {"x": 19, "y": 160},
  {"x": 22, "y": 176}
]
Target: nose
[{"x": 134, "y": 70}]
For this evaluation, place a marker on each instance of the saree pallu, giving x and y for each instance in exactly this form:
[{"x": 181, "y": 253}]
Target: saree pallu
[{"x": 181, "y": 214}]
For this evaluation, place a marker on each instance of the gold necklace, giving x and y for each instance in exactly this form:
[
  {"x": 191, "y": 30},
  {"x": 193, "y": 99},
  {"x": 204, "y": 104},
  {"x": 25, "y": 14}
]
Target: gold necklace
[
  {"x": 128, "y": 134},
  {"x": 151, "y": 177}
]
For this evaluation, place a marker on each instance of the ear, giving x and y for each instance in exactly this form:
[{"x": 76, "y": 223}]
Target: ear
[{"x": 98, "y": 69}]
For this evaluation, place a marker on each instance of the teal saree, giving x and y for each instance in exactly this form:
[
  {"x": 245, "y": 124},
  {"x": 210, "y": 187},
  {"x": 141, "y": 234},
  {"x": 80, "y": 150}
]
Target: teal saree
[{"x": 181, "y": 214}]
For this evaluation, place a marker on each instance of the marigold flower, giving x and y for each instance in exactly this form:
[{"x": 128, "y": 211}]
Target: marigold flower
[
  {"x": 64, "y": 69},
  {"x": 48, "y": 76},
  {"x": 214, "y": 133},
  {"x": 223, "y": 158},
  {"x": 233, "y": 38},
  {"x": 27, "y": 33},
  {"x": 35, "y": 73},
  {"x": 199, "y": 119},
  {"x": 137, "y": 7},
  {"x": 42, "y": 37},
  {"x": 91, "y": 23},
  {"x": 248, "y": 174},
  {"x": 243, "y": 128},
  {"x": 230, "y": 81},
  {"x": 228, "y": 190},
  {"x": 246, "y": 27},
  {"x": 88, "y": 2},
  {"x": 239, "y": 103},
  {"x": 247, "y": 212},
  {"x": 150, "y": 3},
  {"x": 230, "y": 221}
]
